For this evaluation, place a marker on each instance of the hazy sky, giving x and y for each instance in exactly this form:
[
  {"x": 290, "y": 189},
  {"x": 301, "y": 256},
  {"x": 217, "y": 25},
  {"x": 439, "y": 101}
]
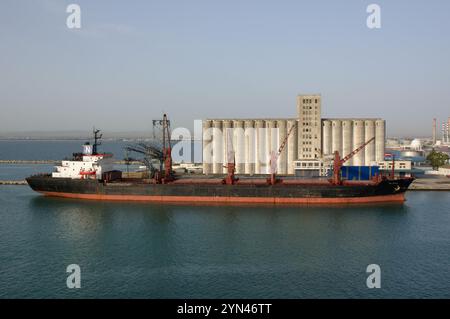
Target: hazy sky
[{"x": 132, "y": 60}]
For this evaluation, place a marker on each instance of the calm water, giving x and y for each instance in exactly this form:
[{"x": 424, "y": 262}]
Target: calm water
[{"x": 155, "y": 251}]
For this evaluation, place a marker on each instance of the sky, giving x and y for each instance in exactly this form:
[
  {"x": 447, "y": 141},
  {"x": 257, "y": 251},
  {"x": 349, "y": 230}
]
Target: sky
[{"x": 133, "y": 60}]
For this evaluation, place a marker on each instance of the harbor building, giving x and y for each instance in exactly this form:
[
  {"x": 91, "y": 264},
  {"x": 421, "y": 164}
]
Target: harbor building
[{"x": 310, "y": 144}]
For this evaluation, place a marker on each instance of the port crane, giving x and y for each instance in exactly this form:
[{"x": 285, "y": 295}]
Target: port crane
[
  {"x": 230, "y": 179},
  {"x": 338, "y": 162},
  {"x": 166, "y": 153},
  {"x": 275, "y": 155}
]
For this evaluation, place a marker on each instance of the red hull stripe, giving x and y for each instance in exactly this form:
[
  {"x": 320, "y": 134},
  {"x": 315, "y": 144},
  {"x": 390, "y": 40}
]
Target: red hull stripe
[{"x": 231, "y": 200}]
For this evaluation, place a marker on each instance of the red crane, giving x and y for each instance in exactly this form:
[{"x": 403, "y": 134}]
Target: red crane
[
  {"x": 274, "y": 156},
  {"x": 230, "y": 179},
  {"x": 167, "y": 151},
  {"x": 339, "y": 162}
]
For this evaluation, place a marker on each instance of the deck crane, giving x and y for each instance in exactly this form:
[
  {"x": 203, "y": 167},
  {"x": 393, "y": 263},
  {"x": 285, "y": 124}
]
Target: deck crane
[
  {"x": 230, "y": 179},
  {"x": 167, "y": 152},
  {"x": 274, "y": 156},
  {"x": 338, "y": 162}
]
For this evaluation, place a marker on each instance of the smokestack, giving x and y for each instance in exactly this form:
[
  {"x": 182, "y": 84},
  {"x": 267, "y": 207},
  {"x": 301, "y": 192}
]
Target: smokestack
[{"x": 434, "y": 131}]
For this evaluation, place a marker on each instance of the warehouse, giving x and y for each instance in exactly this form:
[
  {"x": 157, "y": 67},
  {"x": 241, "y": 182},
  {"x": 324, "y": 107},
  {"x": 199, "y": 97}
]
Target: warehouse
[{"x": 310, "y": 139}]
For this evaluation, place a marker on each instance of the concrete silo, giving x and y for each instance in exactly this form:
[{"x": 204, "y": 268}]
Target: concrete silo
[
  {"x": 326, "y": 138},
  {"x": 369, "y": 150},
  {"x": 271, "y": 135},
  {"x": 226, "y": 125},
  {"x": 217, "y": 141},
  {"x": 336, "y": 136},
  {"x": 260, "y": 146},
  {"x": 250, "y": 149},
  {"x": 380, "y": 135},
  {"x": 347, "y": 140},
  {"x": 207, "y": 147},
  {"x": 239, "y": 145},
  {"x": 358, "y": 140}
]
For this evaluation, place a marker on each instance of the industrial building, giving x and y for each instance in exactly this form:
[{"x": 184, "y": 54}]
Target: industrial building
[{"x": 310, "y": 145}]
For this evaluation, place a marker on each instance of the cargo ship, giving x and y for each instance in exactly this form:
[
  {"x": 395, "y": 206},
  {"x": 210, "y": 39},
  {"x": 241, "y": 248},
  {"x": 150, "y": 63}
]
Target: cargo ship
[{"x": 90, "y": 175}]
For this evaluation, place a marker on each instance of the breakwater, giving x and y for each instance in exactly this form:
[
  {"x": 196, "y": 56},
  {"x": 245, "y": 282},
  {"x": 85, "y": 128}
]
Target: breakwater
[{"x": 13, "y": 182}]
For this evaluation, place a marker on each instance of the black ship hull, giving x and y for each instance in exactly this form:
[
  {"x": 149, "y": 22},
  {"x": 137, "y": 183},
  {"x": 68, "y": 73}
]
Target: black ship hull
[{"x": 207, "y": 192}]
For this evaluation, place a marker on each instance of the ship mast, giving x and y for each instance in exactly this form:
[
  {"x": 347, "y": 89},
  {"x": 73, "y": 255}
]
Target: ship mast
[
  {"x": 167, "y": 151},
  {"x": 97, "y": 138}
]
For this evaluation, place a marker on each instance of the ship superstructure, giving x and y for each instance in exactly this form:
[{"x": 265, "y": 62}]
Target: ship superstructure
[{"x": 86, "y": 165}]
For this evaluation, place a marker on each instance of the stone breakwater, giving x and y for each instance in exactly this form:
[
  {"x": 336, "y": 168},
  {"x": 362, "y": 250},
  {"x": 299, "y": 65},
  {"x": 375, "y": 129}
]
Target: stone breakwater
[
  {"x": 28, "y": 162},
  {"x": 13, "y": 183}
]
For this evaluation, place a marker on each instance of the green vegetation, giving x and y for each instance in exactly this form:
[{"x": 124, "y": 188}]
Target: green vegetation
[{"x": 437, "y": 159}]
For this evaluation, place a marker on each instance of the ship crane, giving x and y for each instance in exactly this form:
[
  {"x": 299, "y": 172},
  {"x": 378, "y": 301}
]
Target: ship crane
[
  {"x": 166, "y": 153},
  {"x": 230, "y": 179},
  {"x": 274, "y": 156},
  {"x": 339, "y": 162}
]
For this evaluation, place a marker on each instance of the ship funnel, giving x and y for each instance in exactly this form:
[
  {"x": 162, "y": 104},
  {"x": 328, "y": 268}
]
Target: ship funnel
[{"x": 87, "y": 149}]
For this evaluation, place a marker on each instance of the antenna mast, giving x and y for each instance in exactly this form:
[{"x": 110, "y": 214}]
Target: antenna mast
[{"x": 97, "y": 138}]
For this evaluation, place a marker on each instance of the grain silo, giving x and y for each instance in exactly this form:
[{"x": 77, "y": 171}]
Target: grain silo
[
  {"x": 249, "y": 147},
  {"x": 336, "y": 133},
  {"x": 207, "y": 147},
  {"x": 347, "y": 140},
  {"x": 239, "y": 145},
  {"x": 380, "y": 133},
  {"x": 369, "y": 150},
  {"x": 217, "y": 147},
  {"x": 260, "y": 146},
  {"x": 326, "y": 138},
  {"x": 358, "y": 140}
]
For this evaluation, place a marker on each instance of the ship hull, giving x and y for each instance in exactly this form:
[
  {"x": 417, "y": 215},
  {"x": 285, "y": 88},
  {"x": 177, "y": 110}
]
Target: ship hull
[{"x": 314, "y": 193}]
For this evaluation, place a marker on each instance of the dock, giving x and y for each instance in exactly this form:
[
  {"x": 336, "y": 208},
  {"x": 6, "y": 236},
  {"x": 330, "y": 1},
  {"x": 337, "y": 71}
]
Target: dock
[{"x": 431, "y": 184}]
